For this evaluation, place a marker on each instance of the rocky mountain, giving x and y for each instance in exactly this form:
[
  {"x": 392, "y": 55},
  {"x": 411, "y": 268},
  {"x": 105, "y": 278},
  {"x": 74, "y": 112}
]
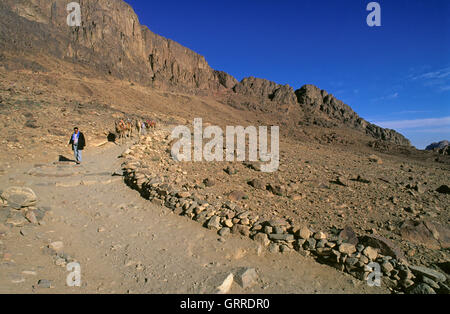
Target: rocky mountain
[
  {"x": 318, "y": 100},
  {"x": 112, "y": 42},
  {"x": 438, "y": 145},
  {"x": 265, "y": 89},
  {"x": 318, "y": 107}
]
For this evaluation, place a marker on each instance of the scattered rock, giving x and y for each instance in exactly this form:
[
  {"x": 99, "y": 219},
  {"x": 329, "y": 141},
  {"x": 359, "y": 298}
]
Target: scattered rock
[
  {"x": 253, "y": 165},
  {"x": 56, "y": 246},
  {"x": 428, "y": 272},
  {"x": 209, "y": 182},
  {"x": 320, "y": 235},
  {"x": 44, "y": 283},
  {"x": 419, "y": 188},
  {"x": 387, "y": 267},
  {"x": 60, "y": 262},
  {"x": 241, "y": 229},
  {"x": 411, "y": 210},
  {"x": 388, "y": 283},
  {"x": 31, "y": 217},
  {"x": 422, "y": 288},
  {"x": 310, "y": 244},
  {"x": 348, "y": 235},
  {"x": 279, "y": 190},
  {"x": 371, "y": 253},
  {"x": 304, "y": 233},
  {"x": 214, "y": 223},
  {"x": 262, "y": 239},
  {"x": 431, "y": 235},
  {"x": 229, "y": 223},
  {"x": 431, "y": 283},
  {"x": 183, "y": 194},
  {"x": 278, "y": 222},
  {"x": 230, "y": 170},
  {"x": 16, "y": 219},
  {"x": 225, "y": 285},
  {"x": 236, "y": 195},
  {"x": 274, "y": 248},
  {"x": 257, "y": 184},
  {"x": 347, "y": 248},
  {"x": 224, "y": 232},
  {"x": 282, "y": 237}
]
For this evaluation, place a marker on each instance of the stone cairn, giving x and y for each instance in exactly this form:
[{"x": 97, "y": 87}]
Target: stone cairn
[
  {"x": 18, "y": 207},
  {"x": 342, "y": 249}
]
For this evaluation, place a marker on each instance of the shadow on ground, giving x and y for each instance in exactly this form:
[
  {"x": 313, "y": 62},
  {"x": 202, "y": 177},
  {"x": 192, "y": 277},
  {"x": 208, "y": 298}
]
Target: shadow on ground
[{"x": 65, "y": 159}]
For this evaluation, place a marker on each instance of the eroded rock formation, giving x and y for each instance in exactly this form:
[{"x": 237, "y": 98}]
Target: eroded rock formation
[{"x": 112, "y": 42}]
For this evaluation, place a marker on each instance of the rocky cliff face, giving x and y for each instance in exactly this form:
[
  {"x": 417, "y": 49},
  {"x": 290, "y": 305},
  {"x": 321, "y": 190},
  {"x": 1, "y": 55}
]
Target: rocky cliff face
[
  {"x": 111, "y": 41},
  {"x": 266, "y": 90}
]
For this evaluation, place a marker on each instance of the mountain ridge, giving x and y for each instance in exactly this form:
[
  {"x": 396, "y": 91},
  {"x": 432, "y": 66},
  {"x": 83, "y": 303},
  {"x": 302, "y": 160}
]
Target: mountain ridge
[
  {"x": 112, "y": 42},
  {"x": 438, "y": 145}
]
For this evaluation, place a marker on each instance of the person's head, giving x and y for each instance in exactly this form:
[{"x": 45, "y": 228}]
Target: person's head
[{"x": 75, "y": 130}]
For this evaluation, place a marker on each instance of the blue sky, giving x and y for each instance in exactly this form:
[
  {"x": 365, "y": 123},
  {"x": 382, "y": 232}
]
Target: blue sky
[{"x": 396, "y": 75}]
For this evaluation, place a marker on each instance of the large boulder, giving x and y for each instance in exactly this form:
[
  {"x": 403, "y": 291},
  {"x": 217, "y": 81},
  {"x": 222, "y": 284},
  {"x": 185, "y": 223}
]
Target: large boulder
[
  {"x": 429, "y": 273},
  {"x": 384, "y": 246},
  {"x": 348, "y": 235},
  {"x": 18, "y": 197},
  {"x": 429, "y": 234}
]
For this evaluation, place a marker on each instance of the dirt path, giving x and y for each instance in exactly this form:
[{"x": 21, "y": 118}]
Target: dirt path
[{"x": 126, "y": 244}]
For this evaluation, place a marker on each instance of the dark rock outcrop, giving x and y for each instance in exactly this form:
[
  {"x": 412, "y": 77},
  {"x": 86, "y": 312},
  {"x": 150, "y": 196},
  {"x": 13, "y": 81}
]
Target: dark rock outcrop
[
  {"x": 438, "y": 146},
  {"x": 266, "y": 90},
  {"x": 319, "y": 101}
]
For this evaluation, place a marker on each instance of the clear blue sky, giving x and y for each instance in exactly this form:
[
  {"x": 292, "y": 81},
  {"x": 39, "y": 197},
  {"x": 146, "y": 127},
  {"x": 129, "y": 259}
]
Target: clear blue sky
[{"x": 396, "y": 75}]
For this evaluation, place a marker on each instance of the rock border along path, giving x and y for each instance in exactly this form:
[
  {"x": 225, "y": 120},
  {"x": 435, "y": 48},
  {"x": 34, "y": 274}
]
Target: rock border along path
[
  {"x": 125, "y": 244},
  {"x": 344, "y": 251}
]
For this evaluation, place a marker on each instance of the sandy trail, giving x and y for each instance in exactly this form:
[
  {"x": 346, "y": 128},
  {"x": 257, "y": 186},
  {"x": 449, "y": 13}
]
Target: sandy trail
[{"x": 125, "y": 244}]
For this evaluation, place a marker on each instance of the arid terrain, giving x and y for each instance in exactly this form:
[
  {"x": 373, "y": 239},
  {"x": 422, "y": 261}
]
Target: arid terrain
[{"x": 346, "y": 193}]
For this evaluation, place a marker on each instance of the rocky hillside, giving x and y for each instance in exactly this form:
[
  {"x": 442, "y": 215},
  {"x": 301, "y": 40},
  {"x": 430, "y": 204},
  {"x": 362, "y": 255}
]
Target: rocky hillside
[
  {"x": 318, "y": 107},
  {"x": 438, "y": 146},
  {"x": 318, "y": 100},
  {"x": 112, "y": 43}
]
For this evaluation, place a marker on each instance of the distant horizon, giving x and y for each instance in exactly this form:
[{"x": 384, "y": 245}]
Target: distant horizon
[{"x": 396, "y": 76}]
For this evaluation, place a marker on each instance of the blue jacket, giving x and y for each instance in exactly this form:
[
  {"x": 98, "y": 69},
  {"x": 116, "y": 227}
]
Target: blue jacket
[{"x": 81, "y": 141}]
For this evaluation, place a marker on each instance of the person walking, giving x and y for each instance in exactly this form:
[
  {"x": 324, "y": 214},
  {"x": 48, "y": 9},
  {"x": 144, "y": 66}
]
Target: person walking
[
  {"x": 78, "y": 143},
  {"x": 144, "y": 128}
]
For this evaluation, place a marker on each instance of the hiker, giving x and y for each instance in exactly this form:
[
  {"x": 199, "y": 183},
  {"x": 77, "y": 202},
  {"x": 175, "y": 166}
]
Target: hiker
[{"x": 78, "y": 143}]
